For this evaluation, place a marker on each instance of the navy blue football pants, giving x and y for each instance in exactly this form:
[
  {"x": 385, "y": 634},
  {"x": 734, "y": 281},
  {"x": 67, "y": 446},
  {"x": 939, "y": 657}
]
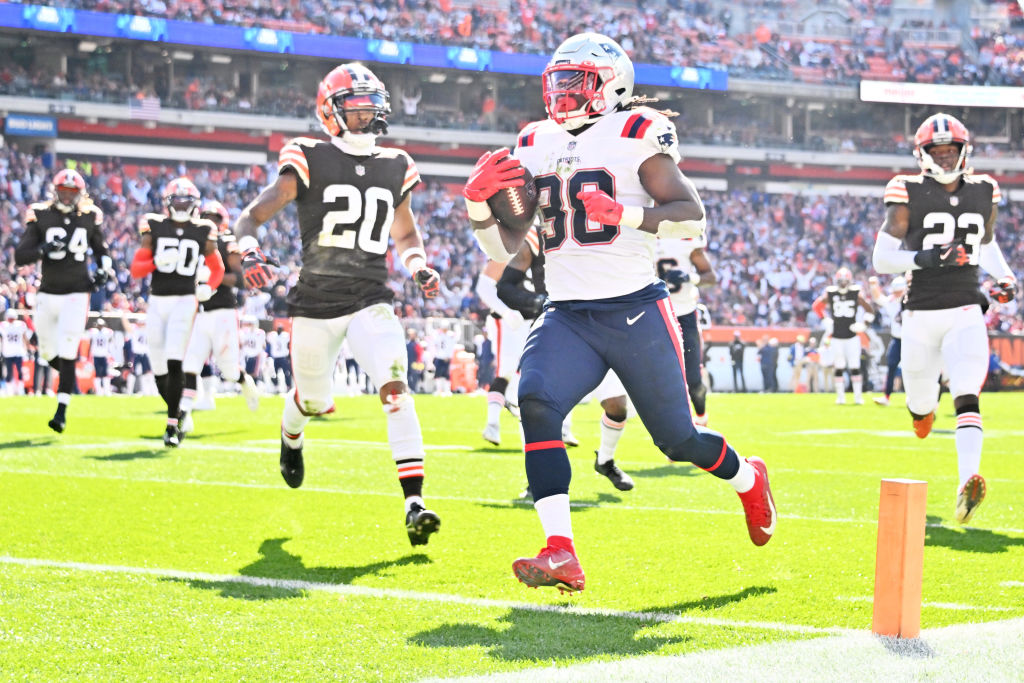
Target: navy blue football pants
[{"x": 567, "y": 355}]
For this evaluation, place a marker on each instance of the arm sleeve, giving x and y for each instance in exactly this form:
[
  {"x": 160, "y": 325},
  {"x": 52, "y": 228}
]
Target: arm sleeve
[
  {"x": 216, "y": 265},
  {"x": 142, "y": 263},
  {"x": 514, "y": 295},
  {"x": 890, "y": 257},
  {"x": 28, "y": 249},
  {"x": 487, "y": 290},
  {"x": 991, "y": 259}
]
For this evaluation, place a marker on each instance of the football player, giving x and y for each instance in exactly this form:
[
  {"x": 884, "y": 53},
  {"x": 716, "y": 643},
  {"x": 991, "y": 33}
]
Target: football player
[
  {"x": 215, "y": 330},
  {"x": 891, "y": 305},
  {"x": 101, "y": 343},
  {"x": 608, "y": 182},
  {"x": 351, "y": 196},
  {"x": 529, "y": 302},
  {"x": 279, "y": 341},
  {"x": 843, "y": 300},
  {"x": 684, "y": 266},
  {"x": 939, "y": 225},
  {"x": 62, "y": 232},
  {"x": 13, "y": 338},
  {"x": 171, "y": 247},
  {"x": 254, "y": 345}
]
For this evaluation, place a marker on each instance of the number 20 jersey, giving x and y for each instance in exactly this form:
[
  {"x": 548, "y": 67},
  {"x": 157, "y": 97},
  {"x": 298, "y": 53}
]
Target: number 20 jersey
[
  {"x": 346, "y": 205},
  {"x": 938, "y": 217},
  {"x": 586, "y": 260}
]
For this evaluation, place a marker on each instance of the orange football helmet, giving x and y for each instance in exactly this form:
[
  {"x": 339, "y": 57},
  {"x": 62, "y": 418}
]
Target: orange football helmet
[
  {"x": 352, "y": 87},
  {"x": 214, "y": 211},
  {"x": 68, "y": 189},
  {"x": 181, "y": 198},
  {"x": 942, "y": 129}
]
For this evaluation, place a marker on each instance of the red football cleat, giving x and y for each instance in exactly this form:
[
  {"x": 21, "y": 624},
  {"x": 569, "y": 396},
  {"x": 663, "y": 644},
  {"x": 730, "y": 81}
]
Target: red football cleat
[
  {"x": 924, "y": 427},
  {"x": 759, "y": 505},
  {"x": 552, "y": 567}
]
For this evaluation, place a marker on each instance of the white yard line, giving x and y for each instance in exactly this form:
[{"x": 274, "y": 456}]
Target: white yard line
[
  {"x": 463, "y": 499},
  {"x": 1013, "y": 584},
  {"x": 421, "y": 596},
  {"x": 968, "y": 652},
  {"x": 955, "y": 606}
]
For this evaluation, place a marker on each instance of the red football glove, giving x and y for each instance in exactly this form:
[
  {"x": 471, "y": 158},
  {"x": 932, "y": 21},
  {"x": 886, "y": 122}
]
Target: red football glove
[
  {"x": 1003, "y": 290},
  {"x": 257, "y": 268},
  {"x": 494, "y": 171},
  {"x": 429, "y": 281},
  {"x": 601, "y": 208}
]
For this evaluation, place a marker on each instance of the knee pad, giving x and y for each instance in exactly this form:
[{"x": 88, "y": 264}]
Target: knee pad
[
  {"x": 839, "y": 371},
  {"x": 313, "y": 407},
  {"x": 541, "y": 422},
  {"x": 499, "y": 385},
  {"x": 854, "y": 372}
]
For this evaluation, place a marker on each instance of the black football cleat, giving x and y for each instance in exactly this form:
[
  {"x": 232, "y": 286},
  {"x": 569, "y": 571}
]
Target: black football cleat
[
  {"x": 171, "y": 437},
  {"x": 420, "y": 523},
  {"x": 56, "y": 425},
  {"x": 292, "y": 468},
  {"x": 616, "y": 476}
]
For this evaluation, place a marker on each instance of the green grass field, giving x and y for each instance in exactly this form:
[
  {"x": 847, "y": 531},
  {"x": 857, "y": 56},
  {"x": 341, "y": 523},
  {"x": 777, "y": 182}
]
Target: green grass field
[{"x": 122, "y": 560}]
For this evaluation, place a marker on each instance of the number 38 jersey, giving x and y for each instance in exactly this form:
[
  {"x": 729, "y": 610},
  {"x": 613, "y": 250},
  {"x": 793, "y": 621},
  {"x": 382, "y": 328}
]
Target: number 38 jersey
[
  {"x": 187, "y": 240},
  {"x": 67, "y": 271},
  {"x": 587, "y": 260},
  {"x": 346, "y": 205},
  {"x": 938, "y": 217}
]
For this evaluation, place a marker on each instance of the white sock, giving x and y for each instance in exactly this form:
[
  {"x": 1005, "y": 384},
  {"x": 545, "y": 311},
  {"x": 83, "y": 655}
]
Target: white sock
[
  {"x": 495, "y": 402},
  {"x": 858, "y": 384},
  {"x": 567, "y": 423},
  {"x": 63, "y": 398},
  {"x": 611, "y": 432},
  {"x": 969, "y": 438},
  {"x": 210, "y": 387},
  {"x": 841, "y": 388},
  {"x": 414, "y": 500},
  {"x": 744, "y": 478},
  {"x": 188, "y": 397},
  {"x": 404, "y": 435},
  {"x": 292, "y": 422},
  {"x": 554, "y": 515}
]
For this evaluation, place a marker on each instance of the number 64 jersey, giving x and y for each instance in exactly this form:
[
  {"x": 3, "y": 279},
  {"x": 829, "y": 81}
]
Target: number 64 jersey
[
  {"x": 346, "y": 205},
  {"x": 584, "y": 259},
  {"x": 63, "y": 272},
  {"x": 938, "y": 217}
]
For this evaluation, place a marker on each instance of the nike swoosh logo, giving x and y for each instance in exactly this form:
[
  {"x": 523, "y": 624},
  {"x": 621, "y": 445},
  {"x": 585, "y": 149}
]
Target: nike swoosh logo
[
  {"x": 775, "y": 518},
  {"x": 630, "y": 321},
  {"x": 556, "y": 565}
]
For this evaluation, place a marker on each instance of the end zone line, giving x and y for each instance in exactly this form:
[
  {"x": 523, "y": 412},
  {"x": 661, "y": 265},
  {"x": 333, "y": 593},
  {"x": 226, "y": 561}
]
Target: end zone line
[
  {"x": 1013, "y": 584},
  {"x": 363, "y": 591},
  {"x": 468, "y": 499},
  {"x": 936, "y": 605}
]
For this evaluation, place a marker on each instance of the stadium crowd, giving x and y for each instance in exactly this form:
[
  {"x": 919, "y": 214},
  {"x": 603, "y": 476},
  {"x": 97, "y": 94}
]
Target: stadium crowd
[
  {"x": 676, "y": 32},
  {"x": 773, "y": 252}
]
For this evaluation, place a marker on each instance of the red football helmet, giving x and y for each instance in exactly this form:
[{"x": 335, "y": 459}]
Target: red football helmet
[
  {"x": 214, "y": 211},
  {"x": 68, "y": 189},
  {"x": 352, "y": 87},
  {"x": 181, "y": 198},
  {"x": 942, "y": 129}
]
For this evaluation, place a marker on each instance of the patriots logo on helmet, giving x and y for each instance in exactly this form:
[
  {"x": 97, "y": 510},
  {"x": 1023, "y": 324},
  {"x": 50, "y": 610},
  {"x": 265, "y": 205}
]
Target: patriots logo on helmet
[{"x": 612, "y": 49}]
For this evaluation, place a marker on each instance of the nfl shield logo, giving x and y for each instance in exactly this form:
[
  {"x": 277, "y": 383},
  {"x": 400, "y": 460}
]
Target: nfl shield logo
[
  {"x": 360, "y": 169},
  {"x": 180, "y": 232},
  {"x": 953, "y": 201}
]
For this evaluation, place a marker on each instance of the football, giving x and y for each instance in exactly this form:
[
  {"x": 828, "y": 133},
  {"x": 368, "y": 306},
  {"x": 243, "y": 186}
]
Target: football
[{"x": 514, "y": 207}]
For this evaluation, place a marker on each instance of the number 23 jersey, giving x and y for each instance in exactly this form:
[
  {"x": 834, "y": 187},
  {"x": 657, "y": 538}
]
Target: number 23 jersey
[
  {"x": 938, "y": 217},
  {"x": 346, "y": 205},
  {"x": 584, "y": 259}
]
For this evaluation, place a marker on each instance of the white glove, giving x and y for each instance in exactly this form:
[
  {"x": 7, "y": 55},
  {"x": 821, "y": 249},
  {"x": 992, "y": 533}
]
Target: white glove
[
  {"x": 203, "y": 292},
  {"x": 202, "y": 274},
  {"x": 858, "y": 327},
  {"x": 166, "y": 259}
]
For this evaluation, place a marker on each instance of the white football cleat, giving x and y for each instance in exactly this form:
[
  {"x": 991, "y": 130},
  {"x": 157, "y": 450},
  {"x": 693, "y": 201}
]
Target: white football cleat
[
  {"x": 492, "y": 434},
  {"x": 251, "y": 393},
  {"x": 569, "y": 439},
  {"x": 882, "y": 400}
]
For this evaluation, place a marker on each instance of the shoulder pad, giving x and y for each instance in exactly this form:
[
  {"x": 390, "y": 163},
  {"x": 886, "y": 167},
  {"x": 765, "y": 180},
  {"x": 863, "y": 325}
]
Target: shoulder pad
[
  {"x": 210, "y": 227},
  {"x": 144, "y": 225},
  {"x": 831, "y": 289},
  {"x": 526, "y": 135},
  {"x": 997, "y": 194},
  {"x": 292, "y": 156},
  {"x": 654, "y": 128},
  {"x": 896, "y": 189}
]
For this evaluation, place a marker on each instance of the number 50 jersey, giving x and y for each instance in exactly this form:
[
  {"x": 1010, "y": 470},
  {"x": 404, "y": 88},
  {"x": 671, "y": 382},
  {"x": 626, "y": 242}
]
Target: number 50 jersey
[
  {"x": 584, "y": 259},
  {"x": 346, "y": 205},
  {"x": 186, "y": 240}
]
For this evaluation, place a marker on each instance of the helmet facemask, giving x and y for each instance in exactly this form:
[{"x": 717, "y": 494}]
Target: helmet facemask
[
  {"x": 942, "y": 129},
  {"x": 931, "y": 168},
  {"x": 574, "y": 93},
  {"x": 68, "y": 190}
]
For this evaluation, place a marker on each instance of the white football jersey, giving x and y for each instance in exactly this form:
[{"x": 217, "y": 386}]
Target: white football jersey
[
  {"x": 13, "y": 334},
  {"x": 586, "y": 260},
  {"x": 100, "y": 341},
  {"x": 254, "y": 341},
  {"x": 279, "y": 344},
  {"x": 674, "y": 254},
  {"x": 140, "y": 341}
]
